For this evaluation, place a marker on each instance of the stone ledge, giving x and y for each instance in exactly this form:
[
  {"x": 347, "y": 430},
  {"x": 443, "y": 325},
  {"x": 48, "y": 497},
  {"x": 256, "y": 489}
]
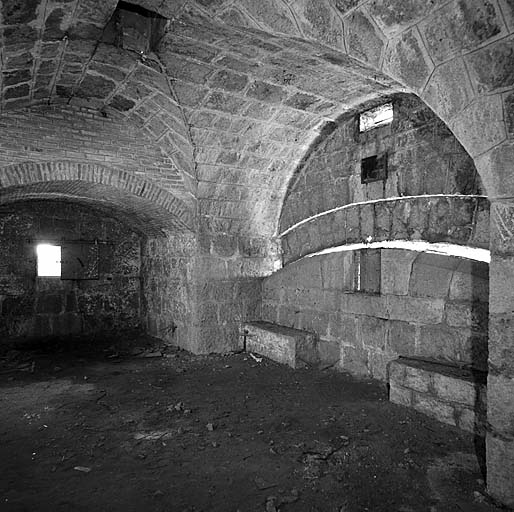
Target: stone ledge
[
  {"x": 451, "y": 394},
  {"x": 285, "y": 345}
]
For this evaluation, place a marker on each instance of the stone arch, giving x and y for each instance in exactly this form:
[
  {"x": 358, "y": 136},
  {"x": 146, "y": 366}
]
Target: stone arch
[
  {"x": 95, "y": 184},
  {"x": 460, "y": 220}
]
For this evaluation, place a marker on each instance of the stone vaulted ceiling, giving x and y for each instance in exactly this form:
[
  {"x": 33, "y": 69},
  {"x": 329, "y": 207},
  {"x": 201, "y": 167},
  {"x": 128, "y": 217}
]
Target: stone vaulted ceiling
[
  {"x": 235, "y": 92},
  {"x": 234, "y": 107}
]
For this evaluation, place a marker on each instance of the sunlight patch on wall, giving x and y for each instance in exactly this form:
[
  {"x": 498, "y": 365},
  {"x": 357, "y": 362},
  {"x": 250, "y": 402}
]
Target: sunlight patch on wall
[{"x": 460, "y": 251}]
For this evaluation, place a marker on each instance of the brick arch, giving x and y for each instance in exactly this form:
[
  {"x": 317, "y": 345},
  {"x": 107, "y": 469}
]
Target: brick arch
[{"x": 67, "y": 178}]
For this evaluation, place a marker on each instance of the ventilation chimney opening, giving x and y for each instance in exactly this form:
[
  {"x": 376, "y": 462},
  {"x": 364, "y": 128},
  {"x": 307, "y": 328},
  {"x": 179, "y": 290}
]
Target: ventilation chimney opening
[{"x": 135, "y": 28}]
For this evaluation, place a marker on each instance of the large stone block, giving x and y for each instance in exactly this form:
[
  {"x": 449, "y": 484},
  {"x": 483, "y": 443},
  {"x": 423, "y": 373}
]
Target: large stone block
[
  {"x": 491, "y": 67},
  {"x": 501, "y": 290},
  {"x": 480, "y": 126},
  {"x": 500, "y": 469},
  {"x": 461, "y": 25},
  {"x": 411, "y": 309},
  {"x": 373, "y": 332},
  {"x": 282, "y": 344},
  {"x": 500, "y": 404},
  {"x": 364, "y": 304},
  {"x": 501, "y": 348},
  {"x": 470, "y": 282},
  {"x": 355, "y": 361},
  {"x": 363, "y": 39},
  {"x": 400, "y": 395},
  {"x": 406, "y": 60},
  {"x": 431, "y": 275},
  {"x": 329, "y": 352},
  {"x": 344, "y": 328},
  {"x": 402, "y": 338},
  {"x": 468, "y": 314},
  {"x": 396, "y": 267},
  {"x": 449, "y": 89},
  {"x": 434, "y": 408},
  {"x": 440, "y": 342},
  {"x": 454, "y": 389}
]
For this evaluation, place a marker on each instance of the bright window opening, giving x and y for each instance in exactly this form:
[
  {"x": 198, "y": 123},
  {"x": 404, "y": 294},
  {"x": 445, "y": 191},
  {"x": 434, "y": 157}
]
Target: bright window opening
[
  {"x": 48, "y": 260},
  {"x": 378, "y": 116}
]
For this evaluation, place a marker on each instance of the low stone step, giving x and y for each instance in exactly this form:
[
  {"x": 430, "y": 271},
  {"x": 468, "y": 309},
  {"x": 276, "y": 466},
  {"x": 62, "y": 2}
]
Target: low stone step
[
  {"x": 286, "y": 345},
  {"x": 451, "y": 394}
]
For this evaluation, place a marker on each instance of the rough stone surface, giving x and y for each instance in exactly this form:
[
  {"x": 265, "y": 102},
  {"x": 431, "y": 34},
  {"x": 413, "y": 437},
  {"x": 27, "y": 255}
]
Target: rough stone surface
[
  {"x": 40, "y": 307},
  {"x": 406, "y": 60},
  {"x": 461, "y": 25},
  {"x": 500, "y": 467},
  {"x": 447, "y": 393},
  {"x": 425, "y": 320},
  {"x": 282, "y": 344},
  {"x": 423, "y": 158}
]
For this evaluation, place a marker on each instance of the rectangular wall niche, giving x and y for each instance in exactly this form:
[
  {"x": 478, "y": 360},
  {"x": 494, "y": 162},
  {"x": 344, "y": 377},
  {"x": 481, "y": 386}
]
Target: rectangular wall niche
[{"x": 374, "y": 168}]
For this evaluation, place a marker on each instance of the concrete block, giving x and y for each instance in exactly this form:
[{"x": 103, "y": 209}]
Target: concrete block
[{"x": 282, "y": 344}]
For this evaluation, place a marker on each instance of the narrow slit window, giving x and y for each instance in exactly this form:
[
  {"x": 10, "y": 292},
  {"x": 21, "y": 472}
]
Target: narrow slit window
[
  {"x": 375, "y": 117},
  {"x": 48, "y": 260}
]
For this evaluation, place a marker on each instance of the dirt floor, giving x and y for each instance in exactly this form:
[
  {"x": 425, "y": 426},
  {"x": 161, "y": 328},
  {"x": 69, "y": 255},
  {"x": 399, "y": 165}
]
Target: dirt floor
[{"x": 115, "y": 429}]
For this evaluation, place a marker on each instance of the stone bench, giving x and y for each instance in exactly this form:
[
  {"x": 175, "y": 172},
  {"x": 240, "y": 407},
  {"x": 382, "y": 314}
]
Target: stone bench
[
  {"x": 451, "y": 394},
  {"x": 285, "y": 345}
]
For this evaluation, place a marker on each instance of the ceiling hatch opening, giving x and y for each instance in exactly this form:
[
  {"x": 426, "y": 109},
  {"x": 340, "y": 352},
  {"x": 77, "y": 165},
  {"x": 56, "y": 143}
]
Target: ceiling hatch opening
[
  {"x": 135, "y": 28},
  {"x": 375, "y": 117},
  {"x": 48, "y": 260}
]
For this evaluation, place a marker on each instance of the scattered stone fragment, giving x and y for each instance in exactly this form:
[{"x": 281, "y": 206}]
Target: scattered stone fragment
[
  {"x": 82, "y": 469},
  {"x": 271, "y": 504}
]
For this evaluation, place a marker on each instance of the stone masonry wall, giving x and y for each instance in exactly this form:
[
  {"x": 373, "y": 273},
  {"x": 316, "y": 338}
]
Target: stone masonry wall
[
  {"x": 430, "y": 306},
  {"x": 198, "y": 290},
  {"x": 423, "y": 158},
  {"x": 34, "y": 306}
]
